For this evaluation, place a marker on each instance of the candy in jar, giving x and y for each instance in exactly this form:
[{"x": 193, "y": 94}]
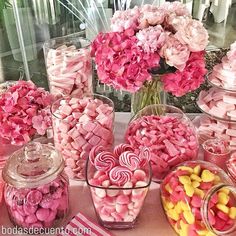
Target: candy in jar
[
  {"x": 199, "y": 199},
  {"x": 169, "y": 135},
  {"x": 119, "y": 182},
  {"x": 36, "y": 189},
  {"x": 69, "y": 65}
]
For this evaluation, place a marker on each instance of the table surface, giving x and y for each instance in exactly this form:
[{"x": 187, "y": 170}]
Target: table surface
[{"x": 152, "y": 220}]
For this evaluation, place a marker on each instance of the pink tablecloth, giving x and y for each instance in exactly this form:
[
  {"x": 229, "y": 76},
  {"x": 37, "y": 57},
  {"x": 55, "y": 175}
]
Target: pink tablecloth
[{"x": 152, "y": 220}]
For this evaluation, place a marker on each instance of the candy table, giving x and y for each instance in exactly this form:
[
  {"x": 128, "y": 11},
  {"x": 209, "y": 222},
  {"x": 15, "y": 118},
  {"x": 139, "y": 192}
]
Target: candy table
[{"x": 152, "y": 220}]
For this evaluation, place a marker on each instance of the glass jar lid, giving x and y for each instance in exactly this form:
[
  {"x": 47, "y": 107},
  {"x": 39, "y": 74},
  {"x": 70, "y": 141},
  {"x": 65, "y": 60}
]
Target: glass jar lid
[{"x": 33, "y": 165}]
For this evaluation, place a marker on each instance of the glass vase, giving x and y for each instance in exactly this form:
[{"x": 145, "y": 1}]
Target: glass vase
[
  {"x": 199, "y": 199},
  {"x": 151, "y": 93}
]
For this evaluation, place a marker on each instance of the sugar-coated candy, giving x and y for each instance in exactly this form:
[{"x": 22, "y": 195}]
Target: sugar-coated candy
[
  {"x": 183, "y": 200},
  {"x": 69, "y": 71},
  {"x": 169, "y": 139},
  {"x": 41, "y": 206},
  {"x": 75, "y": 138}
]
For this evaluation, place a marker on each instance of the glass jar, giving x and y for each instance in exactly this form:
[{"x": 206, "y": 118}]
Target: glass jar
[
  {"x": 118, "y": 193},
  {"x": 216, "y": 151},
  {"x": 69, "y": 65},
  {"x": 36, "y": 189},
  {"x": 1, "y": 188},
  {"x": 80, "y": 124},
  {"x": 231, "y": 166},
  {"x": 169, "y": 135},
  {"x": 199, "y": 199}
]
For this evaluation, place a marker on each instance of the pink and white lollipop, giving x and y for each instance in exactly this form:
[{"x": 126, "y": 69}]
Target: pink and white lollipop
[
  {"x": 130, "y": 160},
  {"x": 105, "y": 161},
  {"x": 119, "y": 149},
  {"x": 94, "y": 152},
  {"x": 120, "y": 175},
  {"x": 144, "y": 156}
]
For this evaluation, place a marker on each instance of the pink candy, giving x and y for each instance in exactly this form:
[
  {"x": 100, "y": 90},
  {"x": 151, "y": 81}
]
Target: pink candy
[
  {"x": 170, "y": 140},
  {"x": 105, "y": 161},
  {"x": 218, "y": 103},
  {"x": 120, "y": 175},
  {"x": 79, "y": 125},
  {"x": 38, "y": 207},
  {"x": 69, "y": 71}
]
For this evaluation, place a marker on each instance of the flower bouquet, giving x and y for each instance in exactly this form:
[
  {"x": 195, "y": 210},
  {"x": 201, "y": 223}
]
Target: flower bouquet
[
  {"x": 153, "y": 48},
  {"x": 24, "y": 113}
]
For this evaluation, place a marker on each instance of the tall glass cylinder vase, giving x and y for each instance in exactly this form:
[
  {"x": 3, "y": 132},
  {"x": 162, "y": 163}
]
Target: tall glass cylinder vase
[
  {"x": 151, "y": 93},
  {"x": 69, "y": 65}
]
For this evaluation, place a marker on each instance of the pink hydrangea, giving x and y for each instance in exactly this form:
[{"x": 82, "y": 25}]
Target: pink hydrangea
[
  {"x": 120, "y": 62},
  {"x": 123, "y": 20},
  {"x": 150, "y": 15},
  {"x": 182, "y": 82},
  {"x": 152, "y": 38},
  {"x": 175, "y": 53},
  {"x": 194, "y": 35},
  {"x": 18, "y": 107}
]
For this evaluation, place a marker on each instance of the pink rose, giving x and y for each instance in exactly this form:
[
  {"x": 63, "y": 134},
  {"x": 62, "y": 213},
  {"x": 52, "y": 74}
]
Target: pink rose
[
  {"x": 194, "y": 35},
  {"x": 176, "y": 23},
  {"x": 175, "y": 53},
  {"x": 152, "y": 38},
  {"x": 150, "y": 15},
  {"x": 182, "y": 82},
  {"x": 123, "y": 20}
]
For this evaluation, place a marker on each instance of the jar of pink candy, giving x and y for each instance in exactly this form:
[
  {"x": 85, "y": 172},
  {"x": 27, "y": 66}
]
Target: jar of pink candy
[
  {"x": 36, "y": 189},
  {"x": 231, "y": 166},
  {"x": 169, "y": 135},
  {"x": 118, "y": 182},
  {"x": 199, "y": 199},
  {"x": 69, "y": 65},
  {"x": 79, "y": 124}
]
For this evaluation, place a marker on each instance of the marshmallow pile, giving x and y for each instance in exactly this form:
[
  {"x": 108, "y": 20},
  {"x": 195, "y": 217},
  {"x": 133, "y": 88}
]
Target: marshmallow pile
[
  {"x": 183, "y": 192},
  {"x": 224, "y": 74},
  {"x": 38, "y": 207},
  {"x": 210, "y": 128},
  {"x": 69, "y": 70},
  {"x": 218, "y": 103},
  {"x": 79, "y": 125},
  {"x": 119, "y": 182},
  {"x": 170, "y": 140}
]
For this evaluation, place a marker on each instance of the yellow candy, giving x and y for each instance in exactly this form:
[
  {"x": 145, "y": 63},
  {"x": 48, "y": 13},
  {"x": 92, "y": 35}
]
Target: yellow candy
[
  {"x": 178, "y": 208},
  {"x": 197, "y": 170},
  {"x": 207, "y": 176},
  {"x": 195, "y": 184},
  {"x": 184, "y": 229},
  {"x": 199, "y": 192},
  {"x": 168, "y": 188},
  {"x": 202, "y": 232},
  {"x": 210, "y": 234},
  {"x": 225, "y": 190},
  {"x": 173, "y": 214},
  {"x": 189, "y": 169},
  {"x": 189, "y": 217},
  {"x": 195, "y": 177},
  {"x": 232, "y": 213},
  {"x": 184, "y": 179},
  {"x": 223, "y": 208},
  {"x": 223, "y": 198},
  {"x": 189, "y": 189},
  {"x": 169, "y": 205},
  {"x": 184, "y": 206}
]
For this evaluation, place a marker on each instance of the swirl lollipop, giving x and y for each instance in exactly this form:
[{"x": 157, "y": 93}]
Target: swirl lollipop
[
  {"x": 94, "y": 152},
  {"x": 144, "y": 156},
  {"x": 119, "y": 149},
  {"x": 130, "y": 160},
  {"x": 104, "y": 161},
  {"x": 120, "y": 175}
]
